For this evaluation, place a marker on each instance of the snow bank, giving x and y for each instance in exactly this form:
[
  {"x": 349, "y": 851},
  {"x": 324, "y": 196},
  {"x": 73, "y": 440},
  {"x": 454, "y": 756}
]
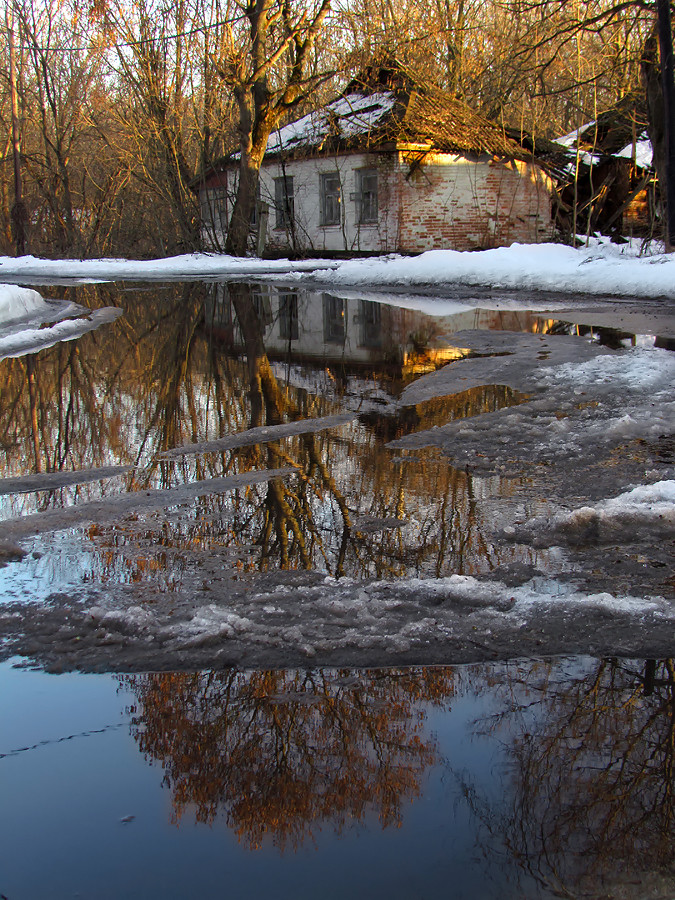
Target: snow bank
[
  {"x": 17, "y": 303},
  {"x": 602, "y": 268},
  {"x": 191, "y": 265}
]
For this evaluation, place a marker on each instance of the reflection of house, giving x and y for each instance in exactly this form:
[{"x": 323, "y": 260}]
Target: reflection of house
[
  {"x": 324, "y": 328},
  {"x": 315, "y": 326},
  {"x": 389, "y": 166}
]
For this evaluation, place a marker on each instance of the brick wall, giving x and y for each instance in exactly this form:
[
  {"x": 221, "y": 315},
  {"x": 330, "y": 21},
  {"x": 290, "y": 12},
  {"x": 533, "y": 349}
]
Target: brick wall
[{"x": 448, "y": 201}]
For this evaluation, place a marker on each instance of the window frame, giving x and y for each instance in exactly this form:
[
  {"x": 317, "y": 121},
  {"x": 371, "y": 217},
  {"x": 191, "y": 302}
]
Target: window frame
[
  {"x": 367, "y": 212},
  {"x": 335, "y": 196},
  {"x": 284, "y": 202}
]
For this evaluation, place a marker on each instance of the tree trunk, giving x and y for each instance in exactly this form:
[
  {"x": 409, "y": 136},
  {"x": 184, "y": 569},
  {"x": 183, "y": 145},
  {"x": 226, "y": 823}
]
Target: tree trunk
[
  {"x": 666, "y": 54},
  {"x": 236, "y": 242},
  {"x": 659, "y": 125}
]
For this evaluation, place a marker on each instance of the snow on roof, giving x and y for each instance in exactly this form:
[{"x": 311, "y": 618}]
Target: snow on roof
[
  {"x": 643, "y": 149},
  {"x": 348, "y": 116},
  {"x": 570, "y": 140},
  {"x": 644, "y": 153},
  {"x": 368, "y": 116}
]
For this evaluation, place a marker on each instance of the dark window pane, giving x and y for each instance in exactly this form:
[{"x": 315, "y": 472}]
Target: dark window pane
[
  {"x": 367, "y": 195},
  {"x": 288, "y": 317},
  {"x": 283, "y": 201},
  {"x": 330, "y": 199},
  {"x": 371, "y": 326},
  {"x": 333, "y": 319}
]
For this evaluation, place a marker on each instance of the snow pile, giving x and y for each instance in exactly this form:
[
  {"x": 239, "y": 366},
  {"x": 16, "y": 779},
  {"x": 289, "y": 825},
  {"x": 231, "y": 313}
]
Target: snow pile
[
  {"x": 601, "y": 268},
  {"x": 647, "y": 509},
  {"x": 17, "y": 303}
]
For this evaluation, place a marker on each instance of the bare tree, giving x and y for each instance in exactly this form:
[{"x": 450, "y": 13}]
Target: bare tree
[{"x": 270, "y": 65}]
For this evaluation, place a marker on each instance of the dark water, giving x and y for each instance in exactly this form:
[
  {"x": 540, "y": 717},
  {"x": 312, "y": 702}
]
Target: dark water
[{"x": 526, "y": 779}]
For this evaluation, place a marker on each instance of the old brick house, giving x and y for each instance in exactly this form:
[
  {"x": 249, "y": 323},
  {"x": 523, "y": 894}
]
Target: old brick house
[{"x": 388, "y": 166}]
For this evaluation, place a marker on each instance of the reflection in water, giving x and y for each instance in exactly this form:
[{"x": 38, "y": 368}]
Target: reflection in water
[
  {"x": 159, "y": 379},
  {"x": 590, "y": 773},
  {"x": 324, "y": 328},
  {"x": 283, "y": 753},
  {"x": 586, "y": 752}
]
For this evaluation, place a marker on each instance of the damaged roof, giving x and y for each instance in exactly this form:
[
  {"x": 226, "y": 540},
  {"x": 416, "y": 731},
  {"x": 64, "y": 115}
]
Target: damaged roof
[
  {"x": 378, "y": 116},
  {"x": 619, "y": 132}
]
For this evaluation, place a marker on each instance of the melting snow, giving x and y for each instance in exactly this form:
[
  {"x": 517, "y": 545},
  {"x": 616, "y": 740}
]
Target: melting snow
[
  {"x": 18, "y": 303},
  {"x": 31, "y": 340},
  {"x": 649, "y": 508},
  {"x": 601, "y": 268}
]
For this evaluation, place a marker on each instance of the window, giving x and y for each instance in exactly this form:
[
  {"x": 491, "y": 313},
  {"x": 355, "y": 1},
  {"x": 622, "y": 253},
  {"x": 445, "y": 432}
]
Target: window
[
  {"x": 283, "y": 201},
  {"x": 366, "y": 183},
  {"x": 330, "y": 199},
  {"x": 288, "y": 317},
  {"x": 214, "y": 209},
  {"x": 263, "y": 307},
  {"x": 371, "y": 325},
  {"x": 333, "y": 320}
]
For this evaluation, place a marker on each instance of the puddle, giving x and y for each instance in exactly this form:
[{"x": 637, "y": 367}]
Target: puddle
[
  {"x": 295, "y": 536},
  {"x": 522, "y": 780},
  {"x": 336, "y": 480}
]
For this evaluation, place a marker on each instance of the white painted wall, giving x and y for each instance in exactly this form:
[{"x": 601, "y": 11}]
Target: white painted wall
[
  {"x": 348, "y": 236},
  {"x": 446, "y": 201}
]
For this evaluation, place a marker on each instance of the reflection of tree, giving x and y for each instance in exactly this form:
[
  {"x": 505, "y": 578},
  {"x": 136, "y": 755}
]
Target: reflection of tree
[
  {"x": 593, "y": 758},
  {"x": 282, "y": 753},
  {"x": 156, "y": 379}
]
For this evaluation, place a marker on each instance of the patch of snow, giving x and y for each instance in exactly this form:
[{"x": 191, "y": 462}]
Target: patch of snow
[
  {"x": 187, "y": 266},
  {"x": 262, "y": 434},
  {"x": 648, "y": 508},
  {"x": 17, "y": 303},
  {"x": 379, "y": 619},
  {"x": 583, "y": 400},
  {"x": 644, "y": 153},
  {"x": 570, "y": 140},
  {"x": 636, "y": 369},
  {"x": 31, "y": 340}
]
